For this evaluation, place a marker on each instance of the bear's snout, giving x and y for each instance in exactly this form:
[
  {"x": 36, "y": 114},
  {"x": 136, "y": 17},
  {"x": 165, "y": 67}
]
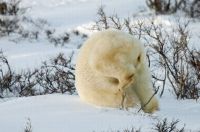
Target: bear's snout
[
  {"x": 129, "y": 77},
  {"x": 126, "y": 81}
]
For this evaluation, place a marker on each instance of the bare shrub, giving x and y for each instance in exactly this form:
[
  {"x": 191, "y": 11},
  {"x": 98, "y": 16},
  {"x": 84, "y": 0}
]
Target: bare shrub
[
  {"x": 8, "y": 25},
  {"x": 105, "y": 22},
  {"x": 13, "y": 20},
  {"x": 11, "y": 7},
  {"x": 14, "y": 7},
  {"x": 164, "y": 6},
  {"x": 195, "y": 61},
  {"x": 57, "y": 40},
  {"x": 3, "y": 8},
  {"x": 190, "y": 7},
  {"x": 11, "y": 16},
  {"x": 28, "y": 127},
  {"x": 26, "y": 84},
  {"x": 195, "y": 9},
  {"x": 169, "y": 52},
  {"x": 165, "y": 126},
  {"x": 30, "y": 29},
  {"x": 174, "y": 54},
  {"x": 6, "y": 76},
  {"x": 159, "y": 126},
  {"x": 76, "y": 32},
  {"x": 132, "y": 129},
  {"x": 57, "y": 76},
  {"x": 38, "y": 27},
  {"x": 102, "y": 19},
  {"x": 14, "y": 84}
]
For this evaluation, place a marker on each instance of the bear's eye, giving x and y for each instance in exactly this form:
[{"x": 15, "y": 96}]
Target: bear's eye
[
  {"x": 113, "y": 80},
  {"x": 139, "y": 58}
]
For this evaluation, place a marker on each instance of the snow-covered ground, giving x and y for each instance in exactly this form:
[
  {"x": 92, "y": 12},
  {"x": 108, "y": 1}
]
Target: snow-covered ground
[
  {"x": 72, "y": 13},
  {"x": 66, "y": 113}
]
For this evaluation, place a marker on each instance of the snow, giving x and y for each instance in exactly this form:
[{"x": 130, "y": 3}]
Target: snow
[
  {"x": 50, "y": 113},
  {"x": 28, "y": 55},
  {"x": 64, "y": 13},
  {"x": 63, "y": 113},
  {"x": 59, "y": 113}
]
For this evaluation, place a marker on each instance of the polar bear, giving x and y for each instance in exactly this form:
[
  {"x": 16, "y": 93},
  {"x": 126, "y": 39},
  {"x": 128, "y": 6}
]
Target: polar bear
[{"x": 112, "y": 71}]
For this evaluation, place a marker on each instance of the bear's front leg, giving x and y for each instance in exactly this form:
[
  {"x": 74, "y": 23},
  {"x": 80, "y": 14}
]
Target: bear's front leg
[{"x": 144, "y": 90}]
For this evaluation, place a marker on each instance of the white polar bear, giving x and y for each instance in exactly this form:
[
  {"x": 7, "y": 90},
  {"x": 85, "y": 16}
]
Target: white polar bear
[{"x": 112, "y": 71}]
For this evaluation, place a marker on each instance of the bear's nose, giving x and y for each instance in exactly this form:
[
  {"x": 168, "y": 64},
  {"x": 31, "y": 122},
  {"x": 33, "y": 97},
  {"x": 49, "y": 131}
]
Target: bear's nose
[
  {"x": 129, "y": 77},
  {"x": 126, "y": 81}
]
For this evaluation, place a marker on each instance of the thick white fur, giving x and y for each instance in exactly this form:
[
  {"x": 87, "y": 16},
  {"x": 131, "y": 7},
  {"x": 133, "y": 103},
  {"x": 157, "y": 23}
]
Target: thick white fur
[{"x": 112, "y": 71}]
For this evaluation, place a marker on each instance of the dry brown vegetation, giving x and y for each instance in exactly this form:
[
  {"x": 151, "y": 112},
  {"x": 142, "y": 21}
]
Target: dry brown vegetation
[{"x": 169, "y": 51}]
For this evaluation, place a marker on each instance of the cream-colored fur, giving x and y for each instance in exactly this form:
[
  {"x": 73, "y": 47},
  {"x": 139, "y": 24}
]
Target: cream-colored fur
[{"x": 111, "y": 71}]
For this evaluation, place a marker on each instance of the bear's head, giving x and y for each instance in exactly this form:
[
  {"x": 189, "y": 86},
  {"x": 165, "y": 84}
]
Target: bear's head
[{"x": 117, "y": 56}]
